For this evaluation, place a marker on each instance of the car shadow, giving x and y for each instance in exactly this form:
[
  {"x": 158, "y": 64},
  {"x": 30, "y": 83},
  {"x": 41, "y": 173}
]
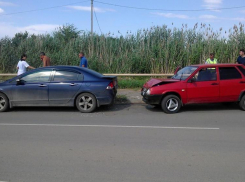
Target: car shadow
[
  {"x": 199, "y": 107},
  {"x": 115, "y": 107}
]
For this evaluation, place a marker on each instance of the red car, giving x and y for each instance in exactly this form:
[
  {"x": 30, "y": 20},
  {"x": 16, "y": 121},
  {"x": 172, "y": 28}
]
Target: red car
[{"x": 194, "y": 84}]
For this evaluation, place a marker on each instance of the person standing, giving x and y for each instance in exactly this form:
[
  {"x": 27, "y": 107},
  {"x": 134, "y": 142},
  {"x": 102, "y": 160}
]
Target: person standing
[
  {"x": 241, "y": 58},
  {"x": 22, "y": 65},
  {"x": 83, "y": 60},
  {"x": 45, "y": 59},
  {"x": 211, "y": 59}
]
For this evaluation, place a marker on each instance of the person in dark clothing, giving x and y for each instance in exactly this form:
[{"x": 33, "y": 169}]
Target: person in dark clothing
[
  {"x": 241, "y": 58},
  {"x": 83, "y": 60}
]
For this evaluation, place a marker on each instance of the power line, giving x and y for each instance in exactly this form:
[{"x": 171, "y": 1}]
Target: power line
[
  {"x": 130, "y": 7},
  {"x": 97, "y": 22},
  {"x": 44, "y": 8},
  {"x": 152, "y": 9}
]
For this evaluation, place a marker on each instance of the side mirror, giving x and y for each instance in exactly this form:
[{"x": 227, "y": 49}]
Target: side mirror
[
  {"x": 192, "y": 80},
  {"x": 19, "y": 82}
]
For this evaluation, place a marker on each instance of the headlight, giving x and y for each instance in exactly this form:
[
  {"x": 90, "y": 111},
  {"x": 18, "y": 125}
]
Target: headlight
[{"x": 148, "y": 92}]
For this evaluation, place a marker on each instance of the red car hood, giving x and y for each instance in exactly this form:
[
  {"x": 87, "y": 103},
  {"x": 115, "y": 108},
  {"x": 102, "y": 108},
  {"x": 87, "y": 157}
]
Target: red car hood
[{"x": 155, "y": 81}]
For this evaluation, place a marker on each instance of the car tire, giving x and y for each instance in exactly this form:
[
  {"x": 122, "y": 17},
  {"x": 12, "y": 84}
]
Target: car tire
[
  {"x": 86, "y": 103},
  {"x": 171, "y": 104},
  {"x": 242, "y": 103},
  {"x": 4, "y": 103}
]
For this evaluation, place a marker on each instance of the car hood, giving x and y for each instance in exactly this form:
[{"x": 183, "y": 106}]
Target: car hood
[{"x": 158, "y": 81}]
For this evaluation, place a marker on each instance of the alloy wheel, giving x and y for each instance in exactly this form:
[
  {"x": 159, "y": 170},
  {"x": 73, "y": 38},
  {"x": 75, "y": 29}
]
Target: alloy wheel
[
  {"x": 172, "y": 104},
  {"x": 86, "y": 103},
  {"x": 2, "y": 103}
]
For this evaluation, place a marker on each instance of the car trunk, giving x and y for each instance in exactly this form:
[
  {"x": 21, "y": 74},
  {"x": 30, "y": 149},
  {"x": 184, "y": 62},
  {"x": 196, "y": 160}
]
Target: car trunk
[{"x": 113, "y": 80}]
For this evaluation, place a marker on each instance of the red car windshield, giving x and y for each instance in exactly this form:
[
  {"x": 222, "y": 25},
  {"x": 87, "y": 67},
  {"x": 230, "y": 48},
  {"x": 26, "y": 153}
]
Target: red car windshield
[{"x": 184, "y": 73}]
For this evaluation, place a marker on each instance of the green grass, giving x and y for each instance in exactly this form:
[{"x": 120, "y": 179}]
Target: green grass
[
  {"x": 130, "y": 83},
  {"x": 133, "y": 82},
  {"x": 121, "y": 99}
]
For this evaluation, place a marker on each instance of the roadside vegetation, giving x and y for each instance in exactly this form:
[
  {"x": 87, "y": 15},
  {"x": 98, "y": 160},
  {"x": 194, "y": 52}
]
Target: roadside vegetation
[
  {"x": 153, "y": 50},
  {"x": 133, "y": 82}
]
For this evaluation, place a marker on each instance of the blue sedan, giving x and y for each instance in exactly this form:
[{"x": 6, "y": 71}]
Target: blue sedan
[{"x": 59, "y": 86}]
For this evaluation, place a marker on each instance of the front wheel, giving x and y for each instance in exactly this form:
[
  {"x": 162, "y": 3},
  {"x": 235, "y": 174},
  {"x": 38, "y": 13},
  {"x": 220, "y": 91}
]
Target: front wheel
[
  {"x": 4, "y": 103},
  {"x": 242, "y": 103},
  {"x": 86, "y": 103},
  {"x": 171, "y": 104}
]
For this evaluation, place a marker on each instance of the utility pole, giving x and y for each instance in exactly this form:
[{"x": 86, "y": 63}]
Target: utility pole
[{"x": 92, "y": 12}]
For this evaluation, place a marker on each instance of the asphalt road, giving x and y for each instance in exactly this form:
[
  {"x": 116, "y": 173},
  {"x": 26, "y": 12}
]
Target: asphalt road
[{"x": 126, "y": 143}]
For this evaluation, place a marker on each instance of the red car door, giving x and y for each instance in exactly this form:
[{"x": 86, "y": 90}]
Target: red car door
[
  {"x": 203, "y": 87},
  {"x": 231, "y": 84}
]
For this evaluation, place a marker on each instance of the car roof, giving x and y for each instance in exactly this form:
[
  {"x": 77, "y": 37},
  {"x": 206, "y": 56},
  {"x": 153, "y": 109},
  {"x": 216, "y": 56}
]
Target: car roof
[
  {"x": 219, "y": 65},
  {"x": 74, "y": 68},
  {"x": 63, "y": 67}
]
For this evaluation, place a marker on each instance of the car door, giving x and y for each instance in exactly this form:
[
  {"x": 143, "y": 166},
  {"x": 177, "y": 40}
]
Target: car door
[
  {"x": 32, "y": 89},
  {"x": 64, "y": 86},
  {"x": 231, "y": 83},
  {"x": 203, "y": 87}
]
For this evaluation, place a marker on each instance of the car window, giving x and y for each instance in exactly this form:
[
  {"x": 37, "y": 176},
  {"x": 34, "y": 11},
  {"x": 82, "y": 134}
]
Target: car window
[
  {"x": 242, "y": 70},
  {"x": 206, "y": 74},
  {"x": 40, "y": 76},
  {"x": 63, "y": 76},
  {"x": 184, "y": 73},
  {"x": 227, "y": 73}
]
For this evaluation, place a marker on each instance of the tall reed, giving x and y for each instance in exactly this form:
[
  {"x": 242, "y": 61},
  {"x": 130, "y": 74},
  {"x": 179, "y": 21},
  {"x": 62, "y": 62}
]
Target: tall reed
[{"x": 158, "y": 49}]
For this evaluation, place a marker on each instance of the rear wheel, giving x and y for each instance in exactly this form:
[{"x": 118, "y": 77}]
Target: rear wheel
[
  {"x": 242, "y": 103},
  {"x": 86, "y": 103},
  {"x": 4, "y": 103},
  {"x": 171, "y": 104}
]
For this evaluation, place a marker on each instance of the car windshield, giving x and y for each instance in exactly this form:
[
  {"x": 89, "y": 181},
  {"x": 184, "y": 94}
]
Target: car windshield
[{"x": 184, "y": 73}]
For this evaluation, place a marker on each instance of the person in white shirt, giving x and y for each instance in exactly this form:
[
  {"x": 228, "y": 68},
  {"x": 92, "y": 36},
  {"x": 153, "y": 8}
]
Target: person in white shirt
[{"x": 22, "y": 65}]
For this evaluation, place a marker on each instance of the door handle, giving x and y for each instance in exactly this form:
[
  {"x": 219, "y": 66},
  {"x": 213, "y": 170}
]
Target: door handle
[
  {"x": 42, "y": 85},
  {"x": 214, "y": 84},
  {"x": 73, "y": 84},
  {"x": 242, "y": 81}
]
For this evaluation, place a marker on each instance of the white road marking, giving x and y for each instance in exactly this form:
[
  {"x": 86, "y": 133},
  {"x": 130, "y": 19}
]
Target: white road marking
[{"x": 112, "y": 126}]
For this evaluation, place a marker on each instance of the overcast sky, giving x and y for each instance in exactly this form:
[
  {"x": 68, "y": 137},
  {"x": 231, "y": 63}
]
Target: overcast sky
[{"x": 17, "y": 16}]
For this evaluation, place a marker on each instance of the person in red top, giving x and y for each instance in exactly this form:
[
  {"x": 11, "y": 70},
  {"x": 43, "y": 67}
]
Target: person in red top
[{"x": 45, "y": 59}]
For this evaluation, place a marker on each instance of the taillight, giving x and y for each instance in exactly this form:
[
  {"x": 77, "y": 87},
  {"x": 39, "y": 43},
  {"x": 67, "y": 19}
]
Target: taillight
[{"x": 110, "y": 86}]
